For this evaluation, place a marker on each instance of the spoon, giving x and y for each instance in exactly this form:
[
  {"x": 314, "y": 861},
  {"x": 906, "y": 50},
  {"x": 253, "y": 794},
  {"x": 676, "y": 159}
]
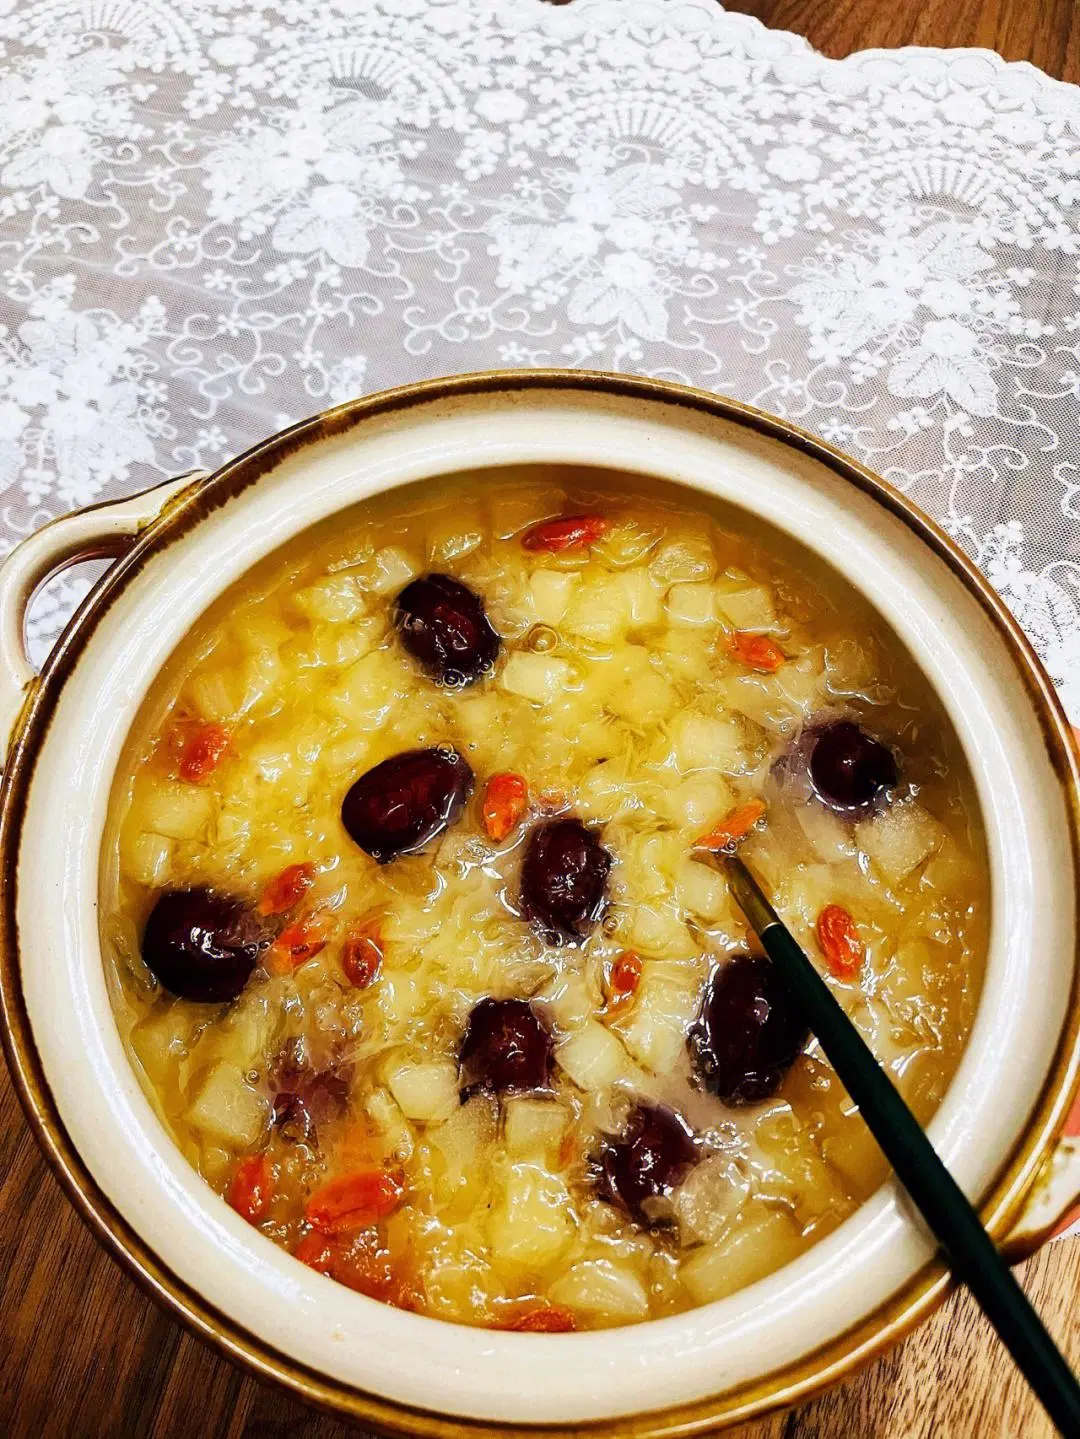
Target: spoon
[{"x": 937, "y": 1196}]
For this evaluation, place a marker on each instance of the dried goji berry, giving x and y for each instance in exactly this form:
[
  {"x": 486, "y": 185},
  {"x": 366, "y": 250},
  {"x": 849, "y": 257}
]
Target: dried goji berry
[
  {"x": 317, "y": 1252},
  {"x": 364, "y": 1264},
  {"x": 361, "y": 1262},
  {"x": 623, "y": 980},
  {"x": 353, "y": 1201},
  {"x": 201, "y": 751},
  {"x": 757, "y": 651},
  {"x": 295, "y": 945},
  {"x": 505, "y": 801},
  {"x": 844, "y": 951},
  {"x": 287, "y": 888},
  {"x": 554, "y": 536},
  {"x": 735, "y": 825},
  {"x": 362, "y": 957},
  {"x": 252, "y": 1188}
]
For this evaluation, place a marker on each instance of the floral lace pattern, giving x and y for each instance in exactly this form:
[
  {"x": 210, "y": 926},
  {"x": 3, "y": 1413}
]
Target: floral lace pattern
[{"x": 216, "y": 219}]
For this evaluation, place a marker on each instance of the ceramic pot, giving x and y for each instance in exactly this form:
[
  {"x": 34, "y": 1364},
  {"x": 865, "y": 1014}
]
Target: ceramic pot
[{"x": 178, "y": 546}]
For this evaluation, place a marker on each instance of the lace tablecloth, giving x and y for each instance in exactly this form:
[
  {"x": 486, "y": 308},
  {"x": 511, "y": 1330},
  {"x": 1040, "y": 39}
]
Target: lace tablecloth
[{"x": 216, "y": 218}]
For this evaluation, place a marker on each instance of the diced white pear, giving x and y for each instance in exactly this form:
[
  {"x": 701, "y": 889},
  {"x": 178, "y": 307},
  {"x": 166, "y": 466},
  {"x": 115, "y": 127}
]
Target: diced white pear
[
  {"x": 851, "y": 667},
  {"x": 643, "y": 598},
  {"x": 426, "y": 1093},
  {"x": 659, "y": 930},
  {"x": 391, "y": 569},
  {"x": 709, "y": 1198},
  {"x": 799, "y": 684},
  {"x": 606, "y": 793},
  {"x": 339, "y": 645},
  {"x": 536, "y": 677},
  {"x": 593, "y": 1057},
  {"x": 459, "y": 1283},
  {"x": 648, "y": 864},
  {"x": 349, "y": 754},
  {"x": 626, "y": 542},
  {"x": 654, "y": 1032},
  {"x": 950, "y": 871},
  {"x": 532, "y": 1225},
  {"x": 179, "y": 811},
  {"x": 464, "y": 1141},
  {"x": 215, "y": 1163},
  {"x": 703, "y": 892},
  {"x": 595, "y": 738},
  {"x": 697, "y": 802},
  {"x": 550, "y": 592},
  {"x": 643, "y": 696},
  {"x": 335, "y": 599},
  {"x": 217, "y": 694},
  {"x": 147, "y": 858},
  {"x": 259, "y": 674},
  {"x": 456, "y": 535},
  {"x": 247, "y": 1036},
  {"x": 639, "y": 691},
  {"x": 602, "y": 1290},
  {"x": 684, "y": 558},
  {"x": 691, "y": 605},
  {"x": 570, "y": 999},
  {"x": 533, "y": 1126},
  {"x": 899, "y": 839},
  {"x": 600, "y": 611},
  {"x": 807, "y": 888},
  {"x": 261, "y": 633},
  {"x": 829, "y": 837},
  {"x": 388, "y": 1119},
  {"x": 909, "y": 976},
  {"x": 751, "y": 608},
  {"x": 228, "y": 1109},
  {"x": 684, "y": 657},
  {"x": 748, "y": 1253},
  {"x": 707, "y": 741},
  {"x": 163, "y": 1039},
  {"x": 369, "y": 691}
]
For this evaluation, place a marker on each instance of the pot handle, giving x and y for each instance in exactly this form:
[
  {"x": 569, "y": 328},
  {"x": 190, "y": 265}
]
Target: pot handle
[
  {"x": 99, "y": 531},
  {"x": 1053, "y": 1197}
]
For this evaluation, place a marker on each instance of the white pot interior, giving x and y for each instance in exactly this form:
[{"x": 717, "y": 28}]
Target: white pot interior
[{"x": 502, "y": 1376}]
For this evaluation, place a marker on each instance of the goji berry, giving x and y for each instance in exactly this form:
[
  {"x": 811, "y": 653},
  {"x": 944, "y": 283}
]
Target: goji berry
[
  {"x": 362, "y": 957},
  {"x": 505, "y": 801},
  {"x": 295, "y": 945},
  {"x": 735, "y": 825},
  {"x": 844, "y": 951},
  {"x": 758, "y": 652},
  {"x": 252, "y": 1188},
  {"x": 570, "y": 532},
  {"x": 287, "y": 888},
  {"x": 201, "y": 751},
  {"x": 353, "y": 1201}
]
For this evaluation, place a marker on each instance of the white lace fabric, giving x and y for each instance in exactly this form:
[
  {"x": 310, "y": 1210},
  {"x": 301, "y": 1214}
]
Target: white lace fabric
[{"x": 217, "y": 218}]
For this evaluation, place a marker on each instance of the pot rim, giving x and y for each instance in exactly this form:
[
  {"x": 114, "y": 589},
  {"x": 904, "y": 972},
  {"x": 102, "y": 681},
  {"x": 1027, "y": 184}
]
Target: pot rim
[{"x": 795, "y": 1381}]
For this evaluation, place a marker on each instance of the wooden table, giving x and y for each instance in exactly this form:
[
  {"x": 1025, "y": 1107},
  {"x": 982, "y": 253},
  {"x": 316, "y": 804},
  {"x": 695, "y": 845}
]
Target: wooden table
[
  {"x": 1046, "y": 32},
  {"x": 86, "y": 1356}
]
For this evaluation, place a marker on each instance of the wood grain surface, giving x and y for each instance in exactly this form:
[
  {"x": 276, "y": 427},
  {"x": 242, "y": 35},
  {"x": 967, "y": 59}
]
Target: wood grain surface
[{"x": 86, "y": 1356}]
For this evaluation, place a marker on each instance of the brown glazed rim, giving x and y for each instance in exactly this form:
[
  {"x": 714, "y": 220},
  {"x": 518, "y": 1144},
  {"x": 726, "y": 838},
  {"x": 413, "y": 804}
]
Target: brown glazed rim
[{"x": 794, "y": 1382}]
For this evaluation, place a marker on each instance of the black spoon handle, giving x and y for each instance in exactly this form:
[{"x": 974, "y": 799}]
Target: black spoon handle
[{"x": 952, "y": 1219}]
